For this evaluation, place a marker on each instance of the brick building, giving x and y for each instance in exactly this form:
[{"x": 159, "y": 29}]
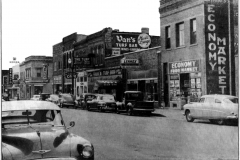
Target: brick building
[
  {"x": 57, "y": 68},
  {"x": 36, "y": 74},
  {"x": 197, "y": 53},
  {"x": 100, "y": 56}
]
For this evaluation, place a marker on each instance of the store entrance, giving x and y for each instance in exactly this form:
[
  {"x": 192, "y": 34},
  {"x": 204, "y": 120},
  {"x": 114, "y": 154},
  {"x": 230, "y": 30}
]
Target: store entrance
[{"x": 184, "y": 85}]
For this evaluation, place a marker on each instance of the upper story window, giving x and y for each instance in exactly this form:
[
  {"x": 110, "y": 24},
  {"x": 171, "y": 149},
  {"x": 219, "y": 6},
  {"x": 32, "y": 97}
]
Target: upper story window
[
  {"x": 180, "y": 34},
  {"x": 28, "y": 73},
  {"x": 39, "y": 72},
  {"x": 193, "y": 31},
  {"x": 59, "y": 65},
  {"x": 55, "y": 66},
  {"x": 168, "y": 37}
]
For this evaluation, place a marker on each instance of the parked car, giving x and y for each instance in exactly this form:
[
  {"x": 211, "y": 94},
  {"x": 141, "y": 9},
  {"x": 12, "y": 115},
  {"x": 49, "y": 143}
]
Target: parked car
[
  {"x": 35, "y": 97},
  {"x": 54, "y": 98},
  {"x": 82, "y": 101},
  {"x": 67, "y": 100},
  {"x": 44, "y": 96},
  {"x": 5, "y": 96},
  {"x": 133, "y": 102},
  {"x": 215, "y": 108},
  {"x": 102, "y": 102},
  {"x": 36, "y": 130}
]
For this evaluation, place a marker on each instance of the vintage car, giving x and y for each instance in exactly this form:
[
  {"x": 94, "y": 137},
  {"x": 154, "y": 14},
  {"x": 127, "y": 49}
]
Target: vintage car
[
  {"x": 215, "y": 108},
  {"x": 54, "y": 98},
  {"x": 67, "y": 100},
  {"x": 44, "y": 96},
  {"x": 35, "y": 97},
  {"x": 36, "y": 130},
  {"x": 134, "y": 102},
  {"x": 82, "y": 100},
  {"x": 102, "y": 102}
]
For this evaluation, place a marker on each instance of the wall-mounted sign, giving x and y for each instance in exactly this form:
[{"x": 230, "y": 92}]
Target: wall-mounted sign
[
  {"x": 57, "y": 80},
  {"x": 45, "y": 72},
  {"x": 105, "y": 72},
  {"x": 69, "y": 75},
  {"x": 144, "y": 40},
  {"x": 217, "y": 47},
  {"x": 10, "y": 76},
  {"x": 127, "y": 42},
  {"x": 116, "y": 52},
  {"x": 129, "y": 61},
  {"x": 184, "y": 67}
]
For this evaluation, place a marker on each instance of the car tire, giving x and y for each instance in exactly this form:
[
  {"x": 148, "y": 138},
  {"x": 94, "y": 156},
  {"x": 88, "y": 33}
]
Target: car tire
[
  {"x": 212, "y": 121},
  {"x": 220, "y": 122},
  {"x": 61, "y": 105},
  {"x": 130, "y": 112},
  {"x": 117, "y": 110},
  {"x": 188, "y": 117}
]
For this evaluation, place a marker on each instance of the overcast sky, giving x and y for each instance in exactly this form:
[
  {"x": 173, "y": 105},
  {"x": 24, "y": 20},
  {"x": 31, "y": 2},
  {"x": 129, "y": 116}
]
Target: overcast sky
[{"x": 32, "y": 27}]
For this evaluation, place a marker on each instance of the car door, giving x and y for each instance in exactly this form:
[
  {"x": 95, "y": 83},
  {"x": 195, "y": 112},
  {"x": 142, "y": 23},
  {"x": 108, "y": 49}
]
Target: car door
[
  {"x": 207, "y": 107},
  {"x": 196, "y": 108},
  {"x": 217, "y": 110}
]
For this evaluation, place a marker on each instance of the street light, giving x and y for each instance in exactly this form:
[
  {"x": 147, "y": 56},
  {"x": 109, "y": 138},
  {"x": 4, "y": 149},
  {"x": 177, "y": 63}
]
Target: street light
[{"x": 72, "y": 66}]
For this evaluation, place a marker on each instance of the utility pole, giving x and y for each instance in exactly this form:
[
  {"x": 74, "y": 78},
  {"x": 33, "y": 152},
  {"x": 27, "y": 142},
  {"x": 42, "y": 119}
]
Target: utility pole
[
  {"x": 70, "y": 61},
  {"x": 159, "y": 78}
]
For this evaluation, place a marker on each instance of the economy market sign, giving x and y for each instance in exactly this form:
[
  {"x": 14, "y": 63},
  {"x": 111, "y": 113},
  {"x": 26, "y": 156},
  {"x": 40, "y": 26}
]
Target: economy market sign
[{"x": 184, "y": 67}]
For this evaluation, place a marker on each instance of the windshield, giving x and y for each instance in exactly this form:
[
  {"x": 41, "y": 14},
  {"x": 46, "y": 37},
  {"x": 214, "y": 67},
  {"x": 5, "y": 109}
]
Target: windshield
[
  {"x": 27, "y": 117},
  {"x": 231, "y": 100},
  {"x": 107, "y": 98}
]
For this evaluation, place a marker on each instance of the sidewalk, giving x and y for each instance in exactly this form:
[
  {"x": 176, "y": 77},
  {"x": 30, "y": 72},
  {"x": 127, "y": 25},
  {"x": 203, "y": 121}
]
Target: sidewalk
[{"x": 173, "y": 113}]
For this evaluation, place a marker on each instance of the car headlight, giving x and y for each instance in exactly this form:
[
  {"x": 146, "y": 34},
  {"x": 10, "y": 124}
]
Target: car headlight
[{"x": 86, "y": 150}]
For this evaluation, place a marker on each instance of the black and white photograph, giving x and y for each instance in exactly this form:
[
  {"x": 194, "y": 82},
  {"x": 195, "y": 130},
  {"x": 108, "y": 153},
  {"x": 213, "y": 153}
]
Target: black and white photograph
[{"x": 119, "y": 80}]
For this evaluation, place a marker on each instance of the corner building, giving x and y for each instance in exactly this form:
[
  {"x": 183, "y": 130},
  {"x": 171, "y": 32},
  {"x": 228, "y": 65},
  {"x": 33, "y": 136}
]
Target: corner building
[{"x": 197, "y": 56}]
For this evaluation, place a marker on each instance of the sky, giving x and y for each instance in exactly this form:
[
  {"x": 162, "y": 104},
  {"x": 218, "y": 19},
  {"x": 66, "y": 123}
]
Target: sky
[{"x": 32, "y": 27}]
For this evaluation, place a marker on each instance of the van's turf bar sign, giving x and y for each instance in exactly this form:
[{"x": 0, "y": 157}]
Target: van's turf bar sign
[{"x": 217, "y": 47}]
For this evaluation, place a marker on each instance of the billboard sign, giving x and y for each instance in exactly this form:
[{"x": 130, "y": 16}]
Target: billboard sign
[
  {"x": 184, "y": 67},
  {"x": 217, "y": 47}
]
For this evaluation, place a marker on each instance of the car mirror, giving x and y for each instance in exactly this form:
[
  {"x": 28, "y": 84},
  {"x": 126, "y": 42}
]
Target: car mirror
[{"x": 71, "y": 124}]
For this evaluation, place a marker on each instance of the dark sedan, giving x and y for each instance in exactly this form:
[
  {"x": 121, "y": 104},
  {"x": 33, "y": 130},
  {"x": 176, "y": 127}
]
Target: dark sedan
[
  {"x": 82, "y": 101},
  {"x": 102, "y": 102}
]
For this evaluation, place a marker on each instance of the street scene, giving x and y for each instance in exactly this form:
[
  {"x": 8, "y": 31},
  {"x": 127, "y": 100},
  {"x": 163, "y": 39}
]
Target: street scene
[{"x": 148, "y": 81}]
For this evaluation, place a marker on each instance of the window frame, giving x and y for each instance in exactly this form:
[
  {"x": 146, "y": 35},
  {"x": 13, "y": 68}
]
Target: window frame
[
  {"x": 167, "y": 37},
  {"x": 193, "y": 31},
  {"x": 180, "y": 37}
]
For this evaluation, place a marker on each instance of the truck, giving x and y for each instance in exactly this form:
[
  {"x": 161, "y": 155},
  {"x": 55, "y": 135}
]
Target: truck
[{"x": 133, "y": 102}]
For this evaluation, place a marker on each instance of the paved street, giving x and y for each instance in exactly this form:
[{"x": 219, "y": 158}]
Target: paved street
[{"x": 165, "y": 135}]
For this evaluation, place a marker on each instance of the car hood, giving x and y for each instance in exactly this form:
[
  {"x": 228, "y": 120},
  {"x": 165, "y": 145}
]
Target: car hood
[{"x": 39, "y": 142}]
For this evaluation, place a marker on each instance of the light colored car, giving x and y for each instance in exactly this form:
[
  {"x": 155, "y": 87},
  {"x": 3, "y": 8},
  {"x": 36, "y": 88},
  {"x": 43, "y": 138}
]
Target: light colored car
[
  {"x": 67, "y": 100},
  {"x": 54, "y": 98},
  {"x": 36, "y": 130},
  {"x": 36, "y": 97},
  {"x": 102, "y": 102},
  {"x": 216, "y": 108}
]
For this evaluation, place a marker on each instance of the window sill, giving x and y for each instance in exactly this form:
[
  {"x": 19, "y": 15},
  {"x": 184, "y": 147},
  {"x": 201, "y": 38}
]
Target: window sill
[
  {"x": 169, "y": 49},
  {"x": 193, "y": 45},
  {"x": 180, "y": 47}
]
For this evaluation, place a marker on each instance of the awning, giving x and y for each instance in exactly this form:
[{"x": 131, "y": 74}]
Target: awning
[{"x": 105, "y": 83}]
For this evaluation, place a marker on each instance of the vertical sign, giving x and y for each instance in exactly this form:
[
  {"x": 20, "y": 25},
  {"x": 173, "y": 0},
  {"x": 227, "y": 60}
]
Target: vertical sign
[
  {"x": 10, "y": 76},
  {"x": 217, "y": 47},
  {"x": 45, "y": 72}
]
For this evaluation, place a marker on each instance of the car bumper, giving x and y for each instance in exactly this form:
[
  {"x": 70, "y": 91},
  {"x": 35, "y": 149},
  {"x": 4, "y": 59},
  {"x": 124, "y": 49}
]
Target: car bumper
[
  {"x": 144, "y": 110},
  {"x": 232, "y": 117}
]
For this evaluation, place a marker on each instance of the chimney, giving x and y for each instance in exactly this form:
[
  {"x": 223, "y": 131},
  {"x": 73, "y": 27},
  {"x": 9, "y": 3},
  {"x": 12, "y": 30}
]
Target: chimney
[{"x": 145, "y": 30}]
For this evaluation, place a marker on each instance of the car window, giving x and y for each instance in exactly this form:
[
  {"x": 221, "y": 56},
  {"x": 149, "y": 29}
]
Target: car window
[
  {"x": 209, "y": 100},
  {"x": 107, "y": 98},
  {"x": 27, "y": 117},
  {"x": 217, "y": 101},
  {"x": 201, "y": 100},
  {"x": 231, "y": 100}
]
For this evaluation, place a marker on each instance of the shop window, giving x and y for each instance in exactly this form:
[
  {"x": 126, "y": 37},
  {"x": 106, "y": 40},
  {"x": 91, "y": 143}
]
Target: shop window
[
  {"x": 81, "y": 79},
  {"x": 85, "y": 78},
  {"x": 180, "y": 34},
  {"x": 193, "y": 31},
  {"x": 168, "y": 37}
]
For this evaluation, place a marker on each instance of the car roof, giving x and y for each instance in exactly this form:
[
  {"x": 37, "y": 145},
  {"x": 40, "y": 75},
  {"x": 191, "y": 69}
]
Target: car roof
[
  {"x": 132, "y": 92},
  {"x": 28, "y": 105},
  {"x": 219, "y": 96}
]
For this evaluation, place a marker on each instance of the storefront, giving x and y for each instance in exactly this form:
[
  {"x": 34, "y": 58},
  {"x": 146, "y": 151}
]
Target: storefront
[
  {"x": 144, "y": 81},
  {"x": 107, "y": 81},
  {"x": 81, "y": 84},
  {"x": 57, "y": 84},
  {"x": 185, "y": 82}
]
